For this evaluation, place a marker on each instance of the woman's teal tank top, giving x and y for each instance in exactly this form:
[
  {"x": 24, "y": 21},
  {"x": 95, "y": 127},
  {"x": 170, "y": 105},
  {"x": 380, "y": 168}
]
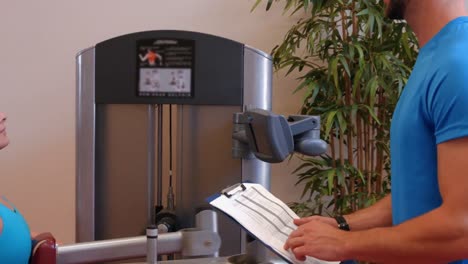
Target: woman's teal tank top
[{"x": 15, "y": 237}]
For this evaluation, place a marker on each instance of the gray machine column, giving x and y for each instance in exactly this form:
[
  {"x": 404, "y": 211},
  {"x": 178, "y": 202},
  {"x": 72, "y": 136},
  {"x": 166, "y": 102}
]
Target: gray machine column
[
  {"x": 257, "y": 94},
  {"x": 85, "y": 145}
]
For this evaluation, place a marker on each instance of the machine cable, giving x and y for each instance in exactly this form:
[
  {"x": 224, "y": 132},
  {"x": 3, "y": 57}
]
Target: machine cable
[
  {"x": 170, "y": 194},
  {"x": 159, "y": 205},
  {"x": 166, "y": 219}
]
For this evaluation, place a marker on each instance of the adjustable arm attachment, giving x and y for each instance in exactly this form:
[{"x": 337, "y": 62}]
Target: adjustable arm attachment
[{"x": 271, "y": 138}]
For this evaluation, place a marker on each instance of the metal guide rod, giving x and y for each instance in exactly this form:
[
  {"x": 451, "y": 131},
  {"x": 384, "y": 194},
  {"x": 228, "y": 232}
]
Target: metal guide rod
[
  {"x": 170, "y": 193},
  {"x": 160, "y": 154},
  {"x": 150, "y": 162}
]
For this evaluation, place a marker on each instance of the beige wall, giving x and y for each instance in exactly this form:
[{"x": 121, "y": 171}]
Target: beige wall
[{"x": 38, "y": 42}]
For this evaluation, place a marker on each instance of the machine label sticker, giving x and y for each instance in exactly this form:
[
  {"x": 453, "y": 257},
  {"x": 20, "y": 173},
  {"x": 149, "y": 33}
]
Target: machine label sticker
[{"x": 165, "y": 67}]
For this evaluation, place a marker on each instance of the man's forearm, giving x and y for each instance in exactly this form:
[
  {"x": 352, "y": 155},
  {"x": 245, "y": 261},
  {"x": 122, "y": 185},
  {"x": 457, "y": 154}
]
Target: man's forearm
[
  {"x": 377, "y": 215},
  {"x": 436, "y": 237}
]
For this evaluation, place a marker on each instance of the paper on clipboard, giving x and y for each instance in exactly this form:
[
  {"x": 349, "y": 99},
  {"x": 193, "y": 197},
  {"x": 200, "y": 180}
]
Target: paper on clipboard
[{"x": 263, "y": 215}]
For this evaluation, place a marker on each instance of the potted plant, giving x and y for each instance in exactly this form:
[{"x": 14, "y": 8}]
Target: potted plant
[{"x": 353, "y": 65}]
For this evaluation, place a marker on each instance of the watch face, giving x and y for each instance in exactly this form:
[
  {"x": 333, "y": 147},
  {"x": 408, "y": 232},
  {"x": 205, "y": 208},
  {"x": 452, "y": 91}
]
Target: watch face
[{"x": 342, "y": 223}]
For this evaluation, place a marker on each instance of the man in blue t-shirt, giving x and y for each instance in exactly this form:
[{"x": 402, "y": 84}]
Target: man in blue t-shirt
[{"x": 425, "y": 219}]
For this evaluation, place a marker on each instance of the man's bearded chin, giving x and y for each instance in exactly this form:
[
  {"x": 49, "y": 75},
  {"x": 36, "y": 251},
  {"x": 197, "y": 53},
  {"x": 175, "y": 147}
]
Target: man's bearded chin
[{"x": 396, "y": 9}]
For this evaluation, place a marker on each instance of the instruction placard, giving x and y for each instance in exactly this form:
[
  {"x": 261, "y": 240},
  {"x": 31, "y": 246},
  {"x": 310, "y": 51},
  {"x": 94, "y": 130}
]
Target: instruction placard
[{"x": 165, "y": 67}]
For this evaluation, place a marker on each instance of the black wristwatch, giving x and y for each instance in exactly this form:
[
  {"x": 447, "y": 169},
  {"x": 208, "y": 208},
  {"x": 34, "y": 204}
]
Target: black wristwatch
[{"x": 342, "y": 224}]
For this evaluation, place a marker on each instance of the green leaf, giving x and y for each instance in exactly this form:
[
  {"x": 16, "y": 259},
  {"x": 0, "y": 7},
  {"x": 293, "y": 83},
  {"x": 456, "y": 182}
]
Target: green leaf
[
  {"x": 345, "y": 65},
  {"x": 361, "y": 176},
  {"x": 341, "y": 178},
  {"x": 270, "y": 2},
  {"x": 301, "y": 86},
  {"x": 334, "y": 71},
  {"x": 379, "y": 25},
  {"x": 372, "y": 113},
  {"x": 341, "y": 121},
  {"x": 357, "y": 82},
  {"x": 302, "y": 166},
  {"x": 315, "y": 91},
  {"x": 289, "y": 4},
  {"x": 306, "y": 188},
  {"x": 354, "y": 109},
  {"x": 405, "y": 43},
  {"x": 363, "y": 12},
  {"x": 361, "y": 56},
  {"x": 255, "y": 5},
  {"x": 373, "y": 85},
  {"x": 329, "y": 123},
  {"x": 370, "y": 23}
]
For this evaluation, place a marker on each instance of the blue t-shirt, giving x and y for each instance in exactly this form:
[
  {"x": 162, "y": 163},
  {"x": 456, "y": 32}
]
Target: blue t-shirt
[
  {"x": 15, "y": 237},
  {"x": 432, "y": 109}
]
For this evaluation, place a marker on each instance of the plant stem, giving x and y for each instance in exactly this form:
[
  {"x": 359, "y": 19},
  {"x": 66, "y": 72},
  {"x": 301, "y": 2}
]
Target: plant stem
[
  {"x": 332, "y": 146},
  {"x": 342, "y": 188},
  {"x": 335, "y": 182},
  {"x": 372, "y": 154},
  {"x": 368, "y": 153},
  {"x": 380, "y": 158},
  {"x": 355, "y": 24},
  {"x": 341, "y": 148}
]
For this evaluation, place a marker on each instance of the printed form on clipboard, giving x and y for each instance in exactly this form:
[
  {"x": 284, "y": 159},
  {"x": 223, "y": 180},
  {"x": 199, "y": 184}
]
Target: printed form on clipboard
[{"x": 263, "y": 215}]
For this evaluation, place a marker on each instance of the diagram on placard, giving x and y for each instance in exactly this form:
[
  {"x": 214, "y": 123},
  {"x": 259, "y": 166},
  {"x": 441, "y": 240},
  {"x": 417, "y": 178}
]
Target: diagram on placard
[{"x": 151, "y": 57}]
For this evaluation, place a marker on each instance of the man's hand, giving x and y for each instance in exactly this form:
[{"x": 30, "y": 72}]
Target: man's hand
[
  {"x": 326, "y": 220},
  {"x": 317, "y": 238}
]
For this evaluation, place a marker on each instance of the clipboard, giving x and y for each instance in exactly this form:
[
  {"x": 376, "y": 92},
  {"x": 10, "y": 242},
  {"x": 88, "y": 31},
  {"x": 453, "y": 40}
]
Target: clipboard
[{"x": 262, "y": 215}]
